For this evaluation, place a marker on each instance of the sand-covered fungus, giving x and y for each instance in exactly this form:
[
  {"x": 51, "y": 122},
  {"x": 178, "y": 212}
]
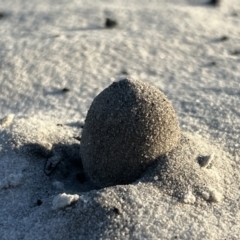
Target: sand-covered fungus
[{"x": 128, "y": 126}]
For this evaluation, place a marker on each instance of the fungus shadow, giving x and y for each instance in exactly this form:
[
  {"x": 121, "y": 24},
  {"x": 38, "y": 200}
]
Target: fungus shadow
[{"x": 60, "y": 163}]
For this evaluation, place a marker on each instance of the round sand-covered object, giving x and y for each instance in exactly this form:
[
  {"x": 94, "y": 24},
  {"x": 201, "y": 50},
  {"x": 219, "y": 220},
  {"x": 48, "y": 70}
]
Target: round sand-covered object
[{"x": 128, "y": 126}]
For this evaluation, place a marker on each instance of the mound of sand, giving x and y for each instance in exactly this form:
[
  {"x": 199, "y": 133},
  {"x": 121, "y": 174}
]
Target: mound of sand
[
  {"x": 195, "y": 170},
  {"x": 178, "y": 192}
]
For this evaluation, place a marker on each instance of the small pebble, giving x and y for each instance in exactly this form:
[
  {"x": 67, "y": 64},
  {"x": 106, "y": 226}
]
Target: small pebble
[
  {"x": 64, "y": 200},
  {"x": 110, "y": 23},
  {"x": 116, "y": 210},
  {"x": 205, "y": 195},
  {"x": 215, "y": 196},
  {"x": 51, "y": 164},
  {"x": 234, "y": 14},
  {"x": 65, "y": 90},
  {"x": 214, "y": 2},
  {"x": 223, "y": 38},
  {"x": 204, "y": 161},
  {"x": 212, "y": 63},
  {"x": 124, "y": 72},
  {"x": 189, "y": 198}
]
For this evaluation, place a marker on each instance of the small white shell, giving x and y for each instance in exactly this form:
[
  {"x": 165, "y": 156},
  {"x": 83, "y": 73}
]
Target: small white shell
[{"x": 189, "y": 198}]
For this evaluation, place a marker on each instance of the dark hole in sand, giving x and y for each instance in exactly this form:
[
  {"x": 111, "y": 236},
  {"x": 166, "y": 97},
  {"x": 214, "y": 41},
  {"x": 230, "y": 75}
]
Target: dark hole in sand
[
  {"x": 65, "y": 167},
  {"x": 39, "y": 202},
  {"x": 81, "y": 177},
  {"x": 116, "y": 210}
]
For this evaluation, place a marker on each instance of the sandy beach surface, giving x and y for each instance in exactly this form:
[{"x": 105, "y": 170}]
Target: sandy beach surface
[{"x": 57, "y": 56}]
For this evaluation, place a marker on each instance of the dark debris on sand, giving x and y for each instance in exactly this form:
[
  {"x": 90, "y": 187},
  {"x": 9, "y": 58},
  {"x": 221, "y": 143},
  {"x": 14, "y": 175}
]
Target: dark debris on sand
[
  {"x": 2, "y": 15},
  {"x": 110, "y": 23},
  {"x": 65, "y": 90},
  {"x": 235, "y": 52},
  {"x": 214, "y": 2},
  {"x": 223, "y": 38}
]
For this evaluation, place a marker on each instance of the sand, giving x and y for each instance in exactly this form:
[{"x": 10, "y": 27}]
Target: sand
[{"x": 179, "y": 47}]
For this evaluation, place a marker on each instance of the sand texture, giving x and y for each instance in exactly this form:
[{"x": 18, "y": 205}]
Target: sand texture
[{"x": 56, "y": 57}]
